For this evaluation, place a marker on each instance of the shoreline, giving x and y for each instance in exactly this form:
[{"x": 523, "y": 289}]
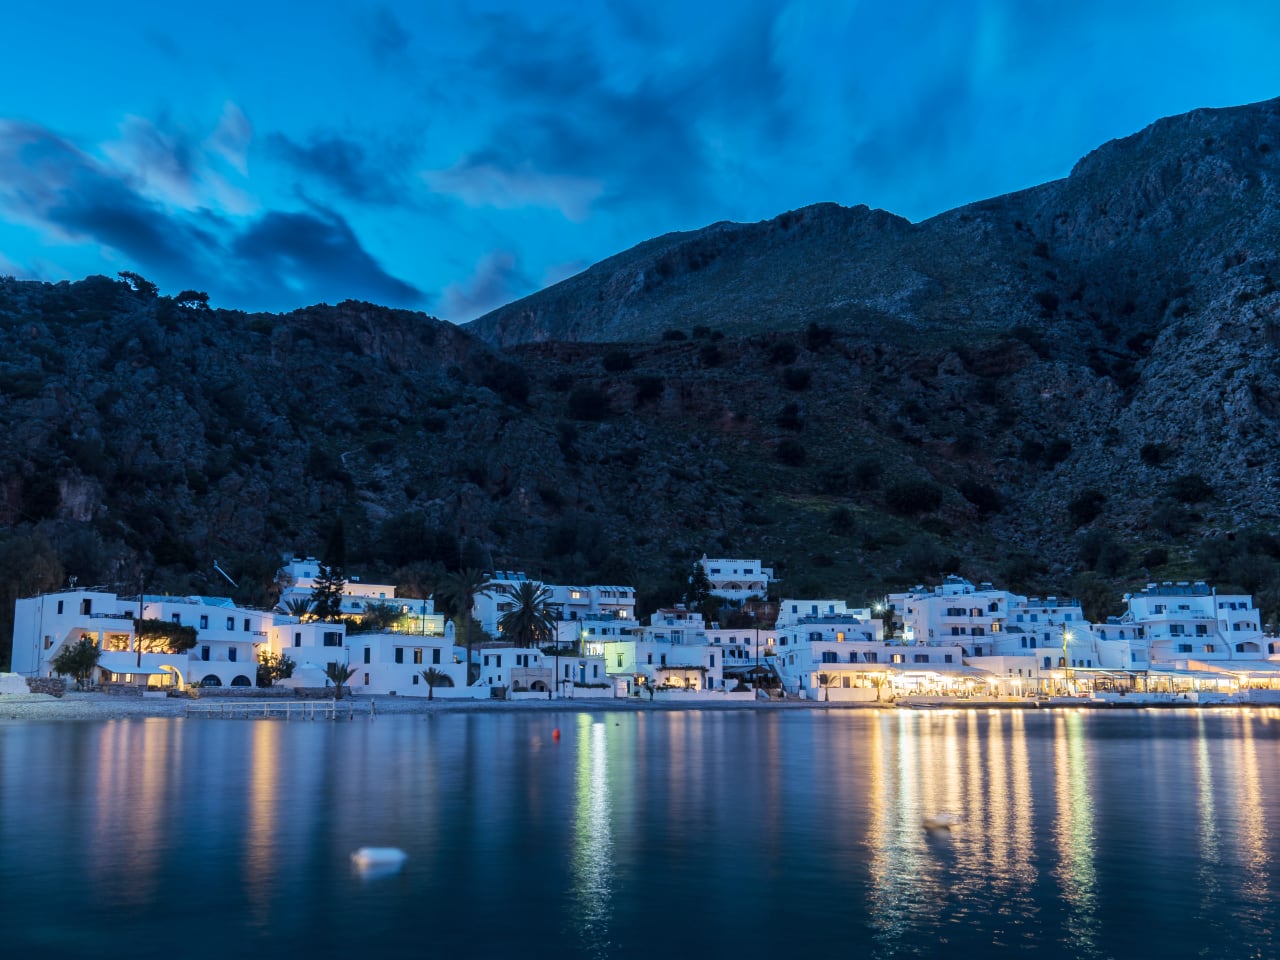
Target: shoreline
[{"x": 99, "y": 706}]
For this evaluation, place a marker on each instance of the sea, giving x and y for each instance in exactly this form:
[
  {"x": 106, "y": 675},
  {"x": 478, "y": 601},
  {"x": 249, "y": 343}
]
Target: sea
[{"x": 747, "y": 833}]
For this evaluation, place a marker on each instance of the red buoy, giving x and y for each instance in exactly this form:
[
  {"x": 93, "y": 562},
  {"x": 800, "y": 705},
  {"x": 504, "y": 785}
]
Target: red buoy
[{"x": 555, "y": 734}]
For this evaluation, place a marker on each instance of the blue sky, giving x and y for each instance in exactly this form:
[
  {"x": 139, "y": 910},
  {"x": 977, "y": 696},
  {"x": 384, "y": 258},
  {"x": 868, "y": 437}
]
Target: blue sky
[{"x": 451, "y": 157}]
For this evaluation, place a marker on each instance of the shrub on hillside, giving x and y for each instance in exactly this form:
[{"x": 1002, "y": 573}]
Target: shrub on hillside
[
  {"x": 783, "y": 353},
  {"x": 1085, "y": 507},
  {"x": 1190, "y": 488},
  {"x": 617, "y": 361},
  {"x": 588, "y": 403},
  {"x": 791, "y": 452},
  {"x": 910, "y": 497},
  {"x": 796, "y": 378}
]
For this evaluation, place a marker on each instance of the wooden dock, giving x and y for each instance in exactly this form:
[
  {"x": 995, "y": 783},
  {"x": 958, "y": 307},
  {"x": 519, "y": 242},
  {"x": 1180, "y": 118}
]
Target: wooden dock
[{"x": 277, "y": 709}]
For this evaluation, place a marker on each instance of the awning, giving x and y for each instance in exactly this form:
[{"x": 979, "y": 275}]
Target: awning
[
  {"x": 121, "y": 662},
  {"x": 951, "y": 669},
  {"x": 1186, "y": 674}
]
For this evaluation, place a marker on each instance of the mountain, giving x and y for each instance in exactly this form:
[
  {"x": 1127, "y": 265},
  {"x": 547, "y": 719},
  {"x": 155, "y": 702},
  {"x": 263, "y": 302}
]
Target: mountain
[
  {"x": 1074, "y": 388},
  {"x": 1135, "y": 222}
]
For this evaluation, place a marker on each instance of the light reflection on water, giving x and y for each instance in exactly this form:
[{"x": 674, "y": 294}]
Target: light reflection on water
[{"x": 753, "y": 834}]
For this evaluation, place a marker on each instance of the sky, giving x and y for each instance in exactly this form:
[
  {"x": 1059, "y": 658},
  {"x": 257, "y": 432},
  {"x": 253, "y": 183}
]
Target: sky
[{"x": 451, "y": 157}]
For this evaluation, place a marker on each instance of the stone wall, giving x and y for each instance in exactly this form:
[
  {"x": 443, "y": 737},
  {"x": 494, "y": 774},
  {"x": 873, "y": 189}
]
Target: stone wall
[{"x": 54, "y": 686}]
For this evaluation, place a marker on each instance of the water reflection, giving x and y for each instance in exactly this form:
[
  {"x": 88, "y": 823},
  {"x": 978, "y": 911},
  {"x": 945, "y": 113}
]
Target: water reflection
[
  {"x": 1077, "y": 873},
  {"x": 592, "y": 867},
  {"x": 752, "y": 833}
]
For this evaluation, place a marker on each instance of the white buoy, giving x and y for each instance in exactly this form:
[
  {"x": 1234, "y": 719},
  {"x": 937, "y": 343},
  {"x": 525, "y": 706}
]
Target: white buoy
[
  {"x": 940, "y": 821},
  {"x": 379, "y": 861}
]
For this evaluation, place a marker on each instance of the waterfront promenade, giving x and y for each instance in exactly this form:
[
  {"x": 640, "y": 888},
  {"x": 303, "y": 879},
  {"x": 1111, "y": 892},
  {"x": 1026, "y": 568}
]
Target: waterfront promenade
[{"x": 99, "y": 706}]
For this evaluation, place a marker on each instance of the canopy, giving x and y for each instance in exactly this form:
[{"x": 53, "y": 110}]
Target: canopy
[{"x": 122, "y": 662}]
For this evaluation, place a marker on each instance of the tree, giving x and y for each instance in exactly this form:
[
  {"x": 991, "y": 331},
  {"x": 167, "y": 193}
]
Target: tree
[
  {"x": 326, "y": 598},
  {"x": 338, "y": 674},
  {"x": 435, "y": 678},
  {"x": 826, "y": 680},
  {"x": 531, "y": 619},
  {"x": 699, "y": 586},
  {"x": 273, "y": 667},
  {"x": 77, "y": 660},
  {"x": 377, "y": 618},
  {"x": 460, "y": 589},
  {"x": 161, "y": 636},
  {"x": 299, "y": 607}
]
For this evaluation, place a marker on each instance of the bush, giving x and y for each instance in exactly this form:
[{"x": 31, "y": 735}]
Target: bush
[
  {"x": 1100, "y": 551},
  {"x": 1154, "y": 454},
  {"x": 985, "y": 498},
  {"x": 1085, "y": 507},
  {"x": 789, "y": 418},
  {"x": 617, "y": 361},
  {"x": 911, "y": 497},
  {"x": 865, "y": 474},
  {"x": 783, "y": 353},
  {"x": 796, "y": 378},
  {"x": 1190, "y": 488},
  {"x": 647, "y": 389},
  {"x": 588, "y": 403},
  {"x": 791, "y": 452},
  {"x": 674, "y": 335},
  {"x": 841, "y": 521},
  {"x": 709, "y": 355}
]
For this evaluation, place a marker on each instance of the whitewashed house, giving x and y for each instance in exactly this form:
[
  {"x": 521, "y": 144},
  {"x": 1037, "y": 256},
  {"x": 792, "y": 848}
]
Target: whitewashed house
[{"x": 737, "y": 580}]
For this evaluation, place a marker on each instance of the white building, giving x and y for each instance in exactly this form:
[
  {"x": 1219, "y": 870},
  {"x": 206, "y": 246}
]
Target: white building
[
  {"x": 298, "y": 579},
  {"x": 737, "y": 580}
]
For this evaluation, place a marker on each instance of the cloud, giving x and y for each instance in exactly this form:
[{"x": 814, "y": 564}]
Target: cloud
[
  {"x": 386, "y": 35},
  {"x": 488, "y": 180},
  {"x": 346, "y": 166},
  {"x": 278, "y": 260},
  {"x": 497, "y": 280},
  {"x": 231, "y": 138},
  {"x": 315, "y": 250}
]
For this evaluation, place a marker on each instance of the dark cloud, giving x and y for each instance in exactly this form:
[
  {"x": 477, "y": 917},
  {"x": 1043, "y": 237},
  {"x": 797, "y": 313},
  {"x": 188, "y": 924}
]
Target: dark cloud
[
  {"x": 387, "y": 36},
  {"x": 315, "y": 251},
  {"x": 497, "y": 280},
  {"x": 346, "y": 166},
  {"x": 277, "y": 261},
  {"x": 566, "y": 119}
]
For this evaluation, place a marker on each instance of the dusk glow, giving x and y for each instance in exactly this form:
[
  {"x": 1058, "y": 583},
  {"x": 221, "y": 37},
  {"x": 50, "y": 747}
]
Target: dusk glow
[{"x": 452, "y": 158}]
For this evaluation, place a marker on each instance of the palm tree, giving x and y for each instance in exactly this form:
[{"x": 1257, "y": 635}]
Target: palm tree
[
  {"x": 339, "y": 673},
  {"x": 461, "y": 589},
  {"x": 826, "y": 680},
  {"x": 299, "y": 607},
  {"x": 435, "y": 678},
  {"x": 531, "y": 618}
]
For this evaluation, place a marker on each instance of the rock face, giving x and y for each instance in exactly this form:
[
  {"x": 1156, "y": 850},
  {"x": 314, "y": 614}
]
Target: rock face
[{"x": 1075, "y": 387}]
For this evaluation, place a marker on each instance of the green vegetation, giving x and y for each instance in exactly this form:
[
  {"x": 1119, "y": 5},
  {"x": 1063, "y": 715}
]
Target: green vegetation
[{"x": 77, "y": 660}]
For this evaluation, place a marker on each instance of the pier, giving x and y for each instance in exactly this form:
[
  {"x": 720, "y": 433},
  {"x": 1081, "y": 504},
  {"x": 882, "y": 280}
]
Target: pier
[{"x": 278, "y": 709}]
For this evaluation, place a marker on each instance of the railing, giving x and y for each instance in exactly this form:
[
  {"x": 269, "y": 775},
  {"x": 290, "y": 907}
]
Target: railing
[{"x": 286, "y": 710}]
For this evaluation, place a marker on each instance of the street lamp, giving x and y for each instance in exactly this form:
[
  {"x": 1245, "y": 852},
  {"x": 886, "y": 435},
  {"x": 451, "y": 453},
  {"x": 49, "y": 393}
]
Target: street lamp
[{"x": 1066, "y": 656}]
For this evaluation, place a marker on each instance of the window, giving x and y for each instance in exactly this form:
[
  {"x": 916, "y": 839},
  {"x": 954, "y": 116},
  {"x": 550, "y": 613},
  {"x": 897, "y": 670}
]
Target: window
[
  {"x": 231, "y": 623},
  {"x": 417, "y": 655},
  {"x": 176, "y": 618},
  {"x": 86, "y": 606},
  {"x": 333, "y": 638},
  {"x": 366, "y": 679},
  {"x": 204, "y": 621},
  {"x": 979, "y": 632},
  {"x": 619, "y": 661},
  {"x": 1024, "y": 642},
  {"x": 415, "y": 679},
  {"x": 713, "y": 660},
  {"x": 204, "y": 652},
  {"x": 829, "y": 656},
  {"x": 946, "y": 658},
  {"x": 400, "y": 656},
  {"x": 48, "y": 641},
  {"x": 921, "y": 658},
  {"x": 871, "y": 657},
  {"x": 1048, "y": 662},
  {"x": 297, "y": 638},
  {"x": 231, "y": 654},
  {"x": 435, "y": 655},
  {"x": 1209, "y": 648},
  {"x": 367, "y": 654},
  {"x": 898, "y": 658},
  {"x": 246, "y": 624},
  {"x": 59, "y": 606}
]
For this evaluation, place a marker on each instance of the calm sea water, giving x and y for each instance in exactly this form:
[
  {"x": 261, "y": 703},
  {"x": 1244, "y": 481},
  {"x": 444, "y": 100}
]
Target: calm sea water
[{"x": 735, "y": 834}]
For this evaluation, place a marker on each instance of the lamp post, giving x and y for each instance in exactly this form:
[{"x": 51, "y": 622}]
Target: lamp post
[{"x": 1066, "y": 656}]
